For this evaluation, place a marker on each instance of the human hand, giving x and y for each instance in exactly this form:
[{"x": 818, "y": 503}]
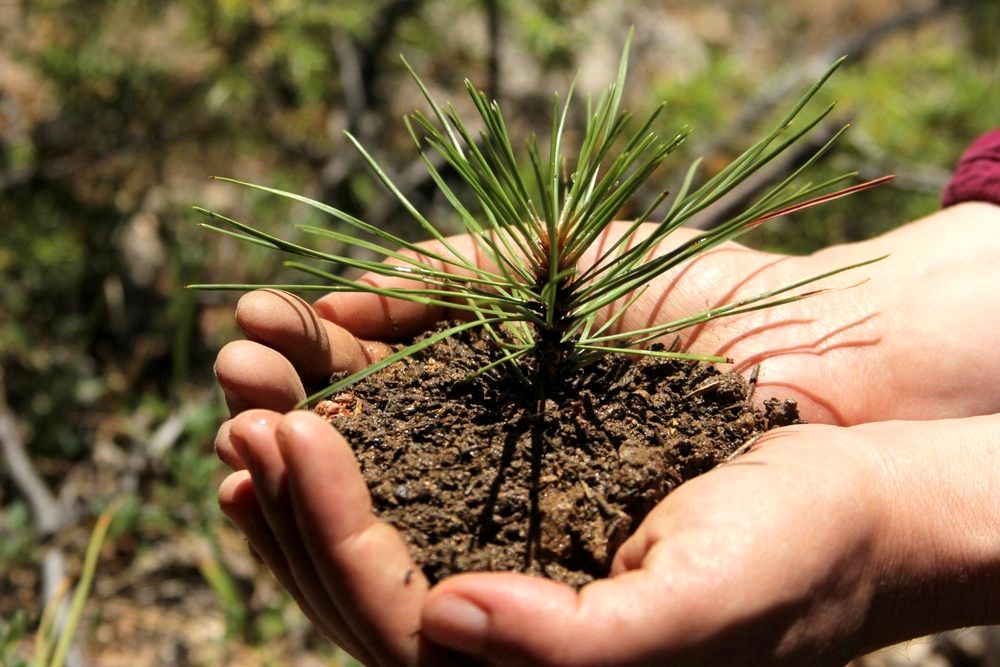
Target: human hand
[
  {"x": 819, "y": 544},
  {"x": 878, "y": 386}
]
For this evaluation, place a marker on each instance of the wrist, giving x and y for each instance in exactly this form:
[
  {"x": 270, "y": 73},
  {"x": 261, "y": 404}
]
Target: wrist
[{"x": 937, "y": 558}]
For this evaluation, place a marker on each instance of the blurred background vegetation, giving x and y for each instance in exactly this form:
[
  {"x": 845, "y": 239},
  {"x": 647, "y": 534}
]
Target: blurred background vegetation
[{"x": 115, "y": 113}]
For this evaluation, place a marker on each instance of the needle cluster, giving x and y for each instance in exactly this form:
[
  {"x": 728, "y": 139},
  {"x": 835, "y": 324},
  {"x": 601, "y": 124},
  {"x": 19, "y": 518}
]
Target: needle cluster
[{"x": 534, "y": 219}]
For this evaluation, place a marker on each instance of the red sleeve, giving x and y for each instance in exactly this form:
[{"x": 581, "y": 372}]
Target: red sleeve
[{"x": 977, "y": 176}]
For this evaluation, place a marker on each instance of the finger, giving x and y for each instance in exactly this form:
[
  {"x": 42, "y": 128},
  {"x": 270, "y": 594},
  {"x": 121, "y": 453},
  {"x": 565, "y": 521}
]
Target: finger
[
  {"x": 224, "y": 447},
  {"x": 364, "y": 563},
  {"x": 316, "y": 348},
  {"x": 374, "y": 316},
  {"x": 255, "y": 376},
  {"x": 510, "y": 619},
  {"x": 369, "y": 315},
  {"x": 379, "y": 317},
  {"x": 238, "y": 502},
  {"x": 253, "y": 438}
]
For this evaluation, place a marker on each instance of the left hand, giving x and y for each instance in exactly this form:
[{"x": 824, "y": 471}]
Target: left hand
[{"x": 819, "y": 544}]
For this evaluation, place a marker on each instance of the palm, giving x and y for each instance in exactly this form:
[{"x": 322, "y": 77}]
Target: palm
[{"x": 768, "y": 513}]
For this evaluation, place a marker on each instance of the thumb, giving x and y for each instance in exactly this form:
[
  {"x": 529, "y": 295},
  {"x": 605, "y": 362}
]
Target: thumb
[{"x": 511, "y": 619}]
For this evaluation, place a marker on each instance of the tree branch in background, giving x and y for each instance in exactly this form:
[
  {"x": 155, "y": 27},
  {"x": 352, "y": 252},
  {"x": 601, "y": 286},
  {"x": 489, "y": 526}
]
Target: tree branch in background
[
  {"x": 359, "y": 66},
  {"x": 493, "y": 18},
  {"x": 357, "y": 69},
  {"x": 12, "y": 178},
  {"x": 49, "y": 514},
  {"x": 382, "y": 35},
  {"x": 349, "y": 69},
  {"x": 415, "y": 177},
  {"x": 741, "y": 196},
  {"x": 928, "y": 179},
  {"x": 856, "y": 47},
  {"x": 341, "y": 163}
]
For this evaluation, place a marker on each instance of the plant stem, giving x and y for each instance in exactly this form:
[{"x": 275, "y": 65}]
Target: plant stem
[{"x": 552, "y": 350}]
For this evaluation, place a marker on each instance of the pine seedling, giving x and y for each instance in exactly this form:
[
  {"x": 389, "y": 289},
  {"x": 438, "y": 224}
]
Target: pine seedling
[{"x": 531, "y": 225}]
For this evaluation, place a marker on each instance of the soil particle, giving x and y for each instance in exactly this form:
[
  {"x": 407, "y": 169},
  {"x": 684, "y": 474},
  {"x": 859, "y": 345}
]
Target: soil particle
[{"x": 479, "y": 474}]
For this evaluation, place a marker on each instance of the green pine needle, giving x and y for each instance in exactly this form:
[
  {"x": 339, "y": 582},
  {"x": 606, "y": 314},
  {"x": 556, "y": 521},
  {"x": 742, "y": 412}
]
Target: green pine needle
[{"x": 532, "y": 225}]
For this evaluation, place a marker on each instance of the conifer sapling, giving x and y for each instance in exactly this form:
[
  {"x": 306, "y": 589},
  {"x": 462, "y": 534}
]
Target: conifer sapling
[{"x": 535, "y": 217}]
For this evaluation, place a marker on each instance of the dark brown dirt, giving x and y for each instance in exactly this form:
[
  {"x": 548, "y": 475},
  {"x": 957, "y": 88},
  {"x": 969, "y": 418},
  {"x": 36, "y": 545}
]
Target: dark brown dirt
[{"x": 478, "y": 476}]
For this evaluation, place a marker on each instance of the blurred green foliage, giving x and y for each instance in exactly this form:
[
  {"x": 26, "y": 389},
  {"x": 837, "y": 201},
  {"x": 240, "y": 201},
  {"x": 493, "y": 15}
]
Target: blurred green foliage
[
  {"x": 115, "y": 113},
  {"x": 12, "y": 632}
]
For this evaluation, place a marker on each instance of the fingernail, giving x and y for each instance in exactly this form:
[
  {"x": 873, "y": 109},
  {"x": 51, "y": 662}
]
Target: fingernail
[{"x": 456, "y": 623}]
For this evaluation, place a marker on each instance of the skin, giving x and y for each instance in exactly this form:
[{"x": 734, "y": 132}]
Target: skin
[{"x": 824, "y": 541}]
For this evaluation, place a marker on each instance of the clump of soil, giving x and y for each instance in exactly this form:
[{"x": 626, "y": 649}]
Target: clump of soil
[{"x": 478, "y": 475}]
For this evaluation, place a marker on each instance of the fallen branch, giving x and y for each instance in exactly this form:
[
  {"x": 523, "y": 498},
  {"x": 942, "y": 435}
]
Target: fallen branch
[{"x": 50, "y": 516}]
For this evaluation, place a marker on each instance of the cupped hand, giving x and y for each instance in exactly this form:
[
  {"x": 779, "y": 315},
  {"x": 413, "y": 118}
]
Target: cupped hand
[
  {"x": 869, "y": 353},
  {"x": 746, "y": 561}
]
